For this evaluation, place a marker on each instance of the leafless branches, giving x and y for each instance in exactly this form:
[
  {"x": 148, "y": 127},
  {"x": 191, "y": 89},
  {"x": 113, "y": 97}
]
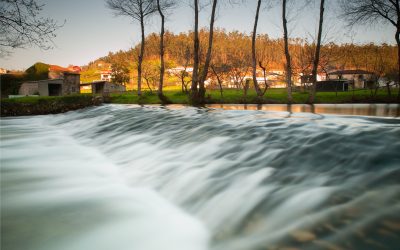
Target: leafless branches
[{"x": 22, "y": 26}]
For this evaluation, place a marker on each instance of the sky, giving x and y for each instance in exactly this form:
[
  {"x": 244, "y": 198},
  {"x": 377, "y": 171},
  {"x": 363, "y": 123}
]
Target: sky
[{"x": 92, "y": 31}]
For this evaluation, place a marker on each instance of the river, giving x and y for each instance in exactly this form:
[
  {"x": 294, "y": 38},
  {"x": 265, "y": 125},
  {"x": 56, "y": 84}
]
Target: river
[{"x": 219, "y": 178}]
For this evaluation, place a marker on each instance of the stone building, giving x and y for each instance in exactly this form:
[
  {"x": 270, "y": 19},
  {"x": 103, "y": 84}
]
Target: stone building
[
  {"x": 101, "y": 87},
  {"x": 65, "y": 83}
]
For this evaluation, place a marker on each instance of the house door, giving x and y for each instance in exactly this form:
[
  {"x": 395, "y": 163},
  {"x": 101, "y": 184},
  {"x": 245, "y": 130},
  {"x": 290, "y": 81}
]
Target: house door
[{"x": 54, "y": 89}]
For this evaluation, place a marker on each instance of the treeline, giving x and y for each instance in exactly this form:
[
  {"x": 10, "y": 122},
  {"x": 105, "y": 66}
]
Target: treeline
[{"x": 233, "y": 50}]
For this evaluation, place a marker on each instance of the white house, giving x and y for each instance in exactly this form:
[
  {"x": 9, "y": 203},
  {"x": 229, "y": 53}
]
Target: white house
[
  {"x": 105, "y": 75},
  {"x": 358, "y": 76}
]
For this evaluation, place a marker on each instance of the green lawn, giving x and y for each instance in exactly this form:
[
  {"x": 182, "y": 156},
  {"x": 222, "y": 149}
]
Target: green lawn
[{"x": 232, "y": 96}]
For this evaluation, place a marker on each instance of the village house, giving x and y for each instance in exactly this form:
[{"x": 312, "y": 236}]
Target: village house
[
  {"x": 273, "y": 78},
  {"x": 179, "y": 69},
  {"x": 105, "y": 75},
  {"x": 360, "y": 78},
  {"x": 61, "y": 81}
]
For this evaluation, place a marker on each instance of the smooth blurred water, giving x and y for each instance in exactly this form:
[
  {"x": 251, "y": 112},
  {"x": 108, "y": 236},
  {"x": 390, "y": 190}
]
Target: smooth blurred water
[{"x": 131, "y": 177}]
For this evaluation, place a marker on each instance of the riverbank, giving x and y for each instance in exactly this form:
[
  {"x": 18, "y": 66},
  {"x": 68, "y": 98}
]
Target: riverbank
[
  {"x": 46, "y": 105},
  {"x": 273, "y": 96},
  {"x": 52, "y": 105}
]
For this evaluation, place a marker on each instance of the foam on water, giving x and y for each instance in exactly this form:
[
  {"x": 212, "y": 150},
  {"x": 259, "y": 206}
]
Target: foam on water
[
  {"x": 131, "y": 177},
  {"x": 59, "y": 194}
]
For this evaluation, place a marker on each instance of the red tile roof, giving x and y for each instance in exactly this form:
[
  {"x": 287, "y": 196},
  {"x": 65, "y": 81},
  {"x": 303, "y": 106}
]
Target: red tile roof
[{"x": 71, "y": 69}]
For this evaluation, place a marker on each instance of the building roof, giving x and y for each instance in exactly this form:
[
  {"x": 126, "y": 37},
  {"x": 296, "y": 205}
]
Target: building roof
[
  {"x": 350, "y": 72},
  {"x": 70, "y": 69}
]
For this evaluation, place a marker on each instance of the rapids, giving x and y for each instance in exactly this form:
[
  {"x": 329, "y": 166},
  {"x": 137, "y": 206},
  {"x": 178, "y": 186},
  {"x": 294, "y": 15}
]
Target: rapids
[{"x": 182, "y": 178}]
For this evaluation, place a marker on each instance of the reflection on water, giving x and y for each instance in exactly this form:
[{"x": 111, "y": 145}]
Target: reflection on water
[
  {"x": 386, "y": 110},
  {"x": 183, "y": 178}
]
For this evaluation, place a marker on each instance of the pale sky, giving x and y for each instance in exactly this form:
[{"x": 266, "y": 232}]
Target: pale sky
[{"x": 91, "y": 30}]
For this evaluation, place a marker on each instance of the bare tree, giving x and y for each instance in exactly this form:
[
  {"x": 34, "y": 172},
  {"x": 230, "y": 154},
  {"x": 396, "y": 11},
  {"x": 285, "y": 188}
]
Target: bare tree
[
  {"x": 209, "y": 51},
  {"x": 317, "y": 52},
  {"x": 166, "y": 4},
  {"x": 373, "y": 11},
  {"x": 196, "y": 54},
  {"x": 253, "y": 51},
  {"x": 22, "y": 26},
  {"x": 138, "y": 10},
  {"x": 288, "y": 66}
]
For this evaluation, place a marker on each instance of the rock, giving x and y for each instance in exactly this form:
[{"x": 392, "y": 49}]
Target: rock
[
  {"x": 326, "y": 245},
  {"x": 393, "y": 225},
  {"x": 303, "y": 236}
]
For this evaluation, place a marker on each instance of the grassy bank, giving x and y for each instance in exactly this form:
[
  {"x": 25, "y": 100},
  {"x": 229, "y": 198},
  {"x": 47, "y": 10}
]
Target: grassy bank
[
  {"x": 232, "y": 96},
  {"x": 60, "y": 104},
  {"x": 46, "y": 105}
]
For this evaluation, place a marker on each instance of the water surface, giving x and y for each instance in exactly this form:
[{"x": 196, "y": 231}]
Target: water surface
[{"x": 131, "y": 177}]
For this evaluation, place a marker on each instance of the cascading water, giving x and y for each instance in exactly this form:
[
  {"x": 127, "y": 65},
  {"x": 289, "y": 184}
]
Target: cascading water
[{"x": 149, "y": 178}]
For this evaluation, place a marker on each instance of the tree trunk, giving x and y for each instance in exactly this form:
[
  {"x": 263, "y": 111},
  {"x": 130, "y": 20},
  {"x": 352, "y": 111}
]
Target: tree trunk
[
  {"x": 141, "y": 58},
  {"x": 148, "y": 84},
  {"x": 264, "y": 69},
  {"x": 317, "y": 53},
  {"x": 203, "y": 77},
  {"x": 398, "y": 59},
  {"x": 195, "y": 77},
  {"x": 388, "y": 88},
  {"x": 253, "y": 50},
  {"x": 162, "y": 66},
  {"x": 183, "y": 83},
  {"x": 218, "y": 80},
  {"x": 287, "y": 54}
]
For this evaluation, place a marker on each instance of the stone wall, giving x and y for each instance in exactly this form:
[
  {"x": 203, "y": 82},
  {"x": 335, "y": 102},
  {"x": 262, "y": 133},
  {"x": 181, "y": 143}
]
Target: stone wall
[
  {"x": 113, "y": 87},
  {"x": 43, "y": 106},
  {"x": 71, "y": 83},
  {"x": 29, "y": 88}
]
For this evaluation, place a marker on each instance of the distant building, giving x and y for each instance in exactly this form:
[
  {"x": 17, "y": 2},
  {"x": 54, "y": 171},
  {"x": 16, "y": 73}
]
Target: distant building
[
  {"x": 179, "y": 69},
  {"x": 3, "y": 71},
  {"x": 358, "y": 77},
  {"x": 105, "y": 75},
  {"x": 273, "y": 78}
]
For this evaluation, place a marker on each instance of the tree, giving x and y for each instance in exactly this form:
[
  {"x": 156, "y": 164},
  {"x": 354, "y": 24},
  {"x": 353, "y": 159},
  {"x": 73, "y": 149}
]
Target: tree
[
  {"x": 138, "y": 10},
  {"x": 166, "y": 4},
  {"x": 196, "y": 55},
  {"x": 288, "y": 65},
  {"x": 317, "y": 52},
  {"x": 22, "y": 26},
  {"x": 203, "y": 77},
  {"x": 253, "y": 52},
  {"x": 120, "y": 73},
  {"x": 373, "y": 11}
]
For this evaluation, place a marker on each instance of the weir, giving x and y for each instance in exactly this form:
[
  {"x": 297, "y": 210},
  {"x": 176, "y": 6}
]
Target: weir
[{"x": 132, "y": 177}]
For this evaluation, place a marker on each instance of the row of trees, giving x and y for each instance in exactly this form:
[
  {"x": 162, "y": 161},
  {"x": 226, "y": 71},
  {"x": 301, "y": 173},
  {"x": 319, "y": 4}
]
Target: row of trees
[
  {"x": 354, "y": 12},
  {"x": 232, "y": 57}
]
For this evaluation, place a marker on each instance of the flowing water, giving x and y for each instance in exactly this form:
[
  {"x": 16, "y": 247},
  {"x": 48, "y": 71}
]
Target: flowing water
[{"x": 182, "y": 178}]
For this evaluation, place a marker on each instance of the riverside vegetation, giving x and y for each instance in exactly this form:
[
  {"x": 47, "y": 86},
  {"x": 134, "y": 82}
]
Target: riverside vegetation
[{"x": 60, "y": 104}]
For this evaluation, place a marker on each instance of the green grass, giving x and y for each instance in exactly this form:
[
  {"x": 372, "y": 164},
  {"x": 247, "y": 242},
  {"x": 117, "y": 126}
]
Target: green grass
[
  {"x": 233, "y": 96},
  {"x": 230, "y": 96}
]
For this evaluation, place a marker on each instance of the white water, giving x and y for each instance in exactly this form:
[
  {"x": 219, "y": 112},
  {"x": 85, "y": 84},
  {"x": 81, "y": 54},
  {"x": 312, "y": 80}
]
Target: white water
[{"x": 129, "y": 177}]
